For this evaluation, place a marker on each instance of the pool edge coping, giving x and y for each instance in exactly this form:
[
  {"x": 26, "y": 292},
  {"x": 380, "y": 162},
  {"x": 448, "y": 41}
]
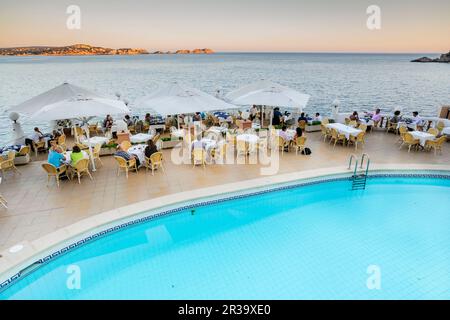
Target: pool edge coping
[{"x": 12, "y": 264}]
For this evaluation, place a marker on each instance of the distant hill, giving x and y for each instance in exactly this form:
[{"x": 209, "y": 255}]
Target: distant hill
[
  {"x": 87, "y": 50},
  {"x": 73, "y": 50}
]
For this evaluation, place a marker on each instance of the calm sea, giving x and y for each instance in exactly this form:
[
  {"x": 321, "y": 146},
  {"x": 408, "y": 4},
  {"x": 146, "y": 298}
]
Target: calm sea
[{"x": 359, "y": 81}]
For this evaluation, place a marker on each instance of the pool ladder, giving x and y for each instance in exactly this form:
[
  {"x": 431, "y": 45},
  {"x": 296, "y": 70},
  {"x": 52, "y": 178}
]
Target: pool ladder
[{"x": 359, "y": 177}]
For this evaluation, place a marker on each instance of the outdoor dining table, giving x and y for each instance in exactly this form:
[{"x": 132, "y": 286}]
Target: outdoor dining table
[
  {"x": 345, "y": 130},
  {"x": 422, "y": 136},
  {"x": 139, "y": 151},
  {"x": 290, "y": 133},
  {"x": 446, "y": 131},
  {"x": 141, "y": 138},
  {"x": 247, "y": 137},
  {"x": 218, "y": 130},
  {"x": 94, "y": 141}
]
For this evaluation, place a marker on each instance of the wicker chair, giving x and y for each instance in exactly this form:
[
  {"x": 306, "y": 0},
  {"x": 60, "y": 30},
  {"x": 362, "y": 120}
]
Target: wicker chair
[
  {"x": 125, "y": 145},
  {"x": 154, "y": 162},
  {"x": 8, "y": 164},
  {"x": 282, "y": 144},
  {"x": 96, "y": 153},
  {"x": 3, "y": 201},
  {"x": 52, "y": 171},
  {"x": 199, "y": 157},
  {"x": 302, "y": 124},
  {"x": 300, "y": 144},
  {"x": 410, "y": 141},
  {"x": 433, "y": 131},
  {"x": 126, "y": 165},
  {"x": 81, "y": 167},
  {"x": 358, "y": 139},
  {"x": 325, "y": 132},
  {"x": 39, "y": 147},
  {"x": 337, "y": 137},
  {"x": 435, "y": 144}
]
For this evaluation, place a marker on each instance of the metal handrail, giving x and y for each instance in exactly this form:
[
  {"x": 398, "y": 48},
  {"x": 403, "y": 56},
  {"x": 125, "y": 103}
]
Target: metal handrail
[
  {"x": 365, "y": 155},
  {"x": 352, "y": 156}
]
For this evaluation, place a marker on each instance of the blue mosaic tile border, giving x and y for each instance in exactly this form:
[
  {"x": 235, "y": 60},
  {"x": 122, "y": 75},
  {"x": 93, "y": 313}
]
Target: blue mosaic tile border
[{"x": 244, "y": 194}]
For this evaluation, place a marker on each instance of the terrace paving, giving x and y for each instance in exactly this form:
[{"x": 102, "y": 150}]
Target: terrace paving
[{"x": 36, "y": 210}]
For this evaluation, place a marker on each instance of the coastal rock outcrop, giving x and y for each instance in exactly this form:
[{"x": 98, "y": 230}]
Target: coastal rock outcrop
[{"x": 444, "y": 58}]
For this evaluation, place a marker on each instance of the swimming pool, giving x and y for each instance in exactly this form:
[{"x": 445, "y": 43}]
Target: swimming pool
[{"x": 316, "y": 241}]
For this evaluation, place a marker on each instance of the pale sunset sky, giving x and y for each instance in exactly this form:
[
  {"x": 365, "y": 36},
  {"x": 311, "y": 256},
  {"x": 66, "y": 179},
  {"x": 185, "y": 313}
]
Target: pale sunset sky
[{"x": 231, "y": 25}]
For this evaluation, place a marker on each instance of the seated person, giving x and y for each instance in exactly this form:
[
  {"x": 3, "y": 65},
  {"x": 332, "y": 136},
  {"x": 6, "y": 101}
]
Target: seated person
[
  {"x": 56, "y": 158},
  {"x": 35, "y": 137},
  {"x": 147, "y": 119},
  {"x": 396, "y": 118},
  {"x": 76, "y": 155},
  {"x": 298, "y": 133},
  {"x": 150, "y": 148},
  {"x": 108, "y": 122},
  {"x": 127, "y": 156},
  {"x": 283, "y": 134},
  {"x": 198, "y": 144},
  {"x": 197, "y": 117},
  {"x": 253, "y": 113},
  {"x": 128, "y": 120},
  {"x": 277, "y": 115},
  {"x": 417, "y": 120},
  {"x": 302, "y": 118},
  {"x": 376, "y": 117},
  {"x": 354, "y": 116},
  {"x": 317, "y": 117}
]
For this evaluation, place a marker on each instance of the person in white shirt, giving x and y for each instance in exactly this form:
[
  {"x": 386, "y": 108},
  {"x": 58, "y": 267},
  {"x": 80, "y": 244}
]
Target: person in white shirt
[
  {"x": 35, "y": 137},
  {"x": 253, "y": 113},
  {"x": 317, "y": 117},
  {"x": 198, "y": 144},
  {"x": 417, "y": 120}
]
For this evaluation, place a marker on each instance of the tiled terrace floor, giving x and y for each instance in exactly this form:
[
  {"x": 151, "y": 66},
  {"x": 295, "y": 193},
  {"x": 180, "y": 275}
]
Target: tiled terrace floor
[{"x": 36, "y": 210}]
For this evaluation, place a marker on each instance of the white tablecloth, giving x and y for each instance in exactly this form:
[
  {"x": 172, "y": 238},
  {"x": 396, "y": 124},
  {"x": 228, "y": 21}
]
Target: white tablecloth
[
  {"x": 139, "y": 151},
  {"x": 141, "y": 138},
  {"x": 289, "y": 133},
  {"x": 218, "y": 130},
  {"x": 250, "y": 138},
  {"x": 446, "y": 131},
  {"x": 412, "y": 126},
  {"x": 422, "y": 136},
  {"x": 94, "y": 141},
  {"x": 345, "y": 130},
  {"x": 369, "y": 122},
  {"x": 209, "y": 143}
]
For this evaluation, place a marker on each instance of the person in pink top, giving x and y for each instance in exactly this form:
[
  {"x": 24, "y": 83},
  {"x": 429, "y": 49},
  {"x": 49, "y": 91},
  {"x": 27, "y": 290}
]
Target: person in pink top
[{"x": 376, "y": 117}]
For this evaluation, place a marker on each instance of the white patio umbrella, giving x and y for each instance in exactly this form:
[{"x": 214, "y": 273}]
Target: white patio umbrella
[
  {"x": 267, "y": 93},
  {"x": 175, "y": 99},
  {"x": 82, "y": 108},
  {"x": 59, "y": 93}
]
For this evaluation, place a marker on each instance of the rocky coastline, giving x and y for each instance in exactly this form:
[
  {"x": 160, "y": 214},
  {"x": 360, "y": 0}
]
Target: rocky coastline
[
  {"x": 87, "y": 50},
  {"x": 444, "y": 58}
]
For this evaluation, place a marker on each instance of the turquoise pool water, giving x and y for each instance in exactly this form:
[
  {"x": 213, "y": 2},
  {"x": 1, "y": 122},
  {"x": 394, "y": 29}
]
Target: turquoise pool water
[{"x": 309, "y": 242}]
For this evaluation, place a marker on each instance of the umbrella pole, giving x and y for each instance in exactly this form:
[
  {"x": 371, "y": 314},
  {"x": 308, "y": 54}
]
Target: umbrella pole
[
  {"x": 261, "y": 116},
  {"x": 86, "y": 128}
]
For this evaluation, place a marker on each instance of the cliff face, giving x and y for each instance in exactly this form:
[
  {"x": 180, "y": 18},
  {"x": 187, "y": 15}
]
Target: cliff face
[
  {"x": 444, "y": 58},
  {"x": 74, "y": 50}
]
